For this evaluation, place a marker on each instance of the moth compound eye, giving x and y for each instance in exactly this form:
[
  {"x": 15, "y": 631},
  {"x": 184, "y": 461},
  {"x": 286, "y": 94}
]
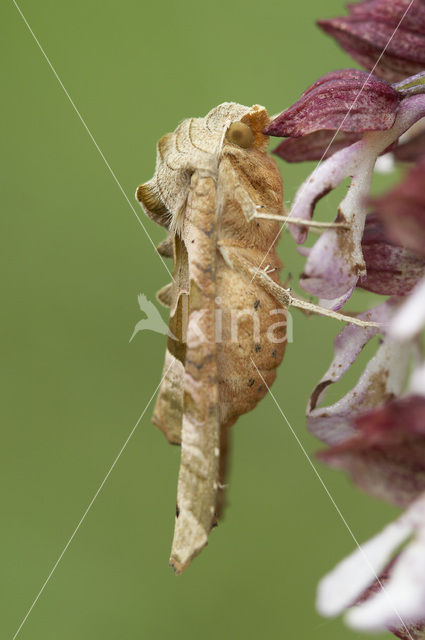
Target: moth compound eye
[{"x": 241, "y": 134}]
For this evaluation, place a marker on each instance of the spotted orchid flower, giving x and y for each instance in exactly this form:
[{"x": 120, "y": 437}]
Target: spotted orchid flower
[
  {"x": 376, "y": 432},
  {"x": 336, "y": 264},
  {"x": 386, "y": 457},
  {"x": 383, "y": 378},
  {"x": 352, "y": 122}
]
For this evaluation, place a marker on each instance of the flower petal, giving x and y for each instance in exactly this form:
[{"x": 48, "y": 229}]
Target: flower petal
[
  {"x": 391, "y": 12},
  {"x": 318, "y": 145},
  {"x": 403, "y": 599},
  {"x": 348, "y": 100},
  {"x": 383, "y": 377},
  {"x": 411, "y": 632},
  {"x": 385, "y": 164},
  {"x": 336, "y": 303},
  {"x": 410, "y": 318},
  {"x": 403, "y": 210},
  {"x": 374, "y": 27},
  {"x": 415, "y": 631},
  {"x": 411, "y": 150},
  {"x": 386, "y": 456},
  {"x": 334, "y": 264},
  {"x": 417, "y": 381},
  {"x": 342, "y": 586},
  {"x": 398, "y": 602},
  {"x": 391, "y": 269},
  {"x": 336, "y": 261}
]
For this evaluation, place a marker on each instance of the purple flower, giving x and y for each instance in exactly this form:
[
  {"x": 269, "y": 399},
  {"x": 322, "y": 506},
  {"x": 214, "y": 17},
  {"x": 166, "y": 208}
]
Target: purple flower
[
  {"x": 385, "y": 457},
  {"x": 386, "y": 454},
  {"x": 412, "y": 145},
  {"x": 336, "y": 261},
  {"x": 318, "y": 145},
  {"x": 414, "y": 631},
  {"x": 326, "y": 104},
  {"x": 375, "y": 431},
  {"x": 400, "y": 604},
  {"x": 379, "y": 439},
  {"x": 383, "y": 378},
  {"x": 374, "y": 25},
  {"x": 410, "y": 319},
  {"x": 402, "y": 210}
]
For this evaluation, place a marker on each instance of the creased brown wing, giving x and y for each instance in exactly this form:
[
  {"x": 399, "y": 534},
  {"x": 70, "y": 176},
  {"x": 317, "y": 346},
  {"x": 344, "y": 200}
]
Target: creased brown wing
[{"x": 199, "y": 470}]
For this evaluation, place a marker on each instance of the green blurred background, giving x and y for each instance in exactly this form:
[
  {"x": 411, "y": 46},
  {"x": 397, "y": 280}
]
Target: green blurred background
[{"x": 74, "y": 258}]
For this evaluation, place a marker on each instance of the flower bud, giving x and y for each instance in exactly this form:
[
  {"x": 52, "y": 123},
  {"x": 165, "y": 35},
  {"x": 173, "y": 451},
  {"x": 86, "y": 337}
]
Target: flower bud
[{"x": 348, "y": 100}]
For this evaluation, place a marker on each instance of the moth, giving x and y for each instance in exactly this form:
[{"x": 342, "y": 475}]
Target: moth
[{"x": 219, "y": 195}]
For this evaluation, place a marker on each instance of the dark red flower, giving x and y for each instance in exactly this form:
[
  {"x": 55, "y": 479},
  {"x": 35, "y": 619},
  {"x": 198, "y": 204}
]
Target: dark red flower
[
  {"x": 375, "y": 25},
  {"x": 318, "y": 145},
  {"x": 411, "y": 150},
  {"x": 386, "y": 456},
  {"x": 391, "y": 268},
  {"x": 402, "y": 210},
  {"x": 348, "y": 100}
]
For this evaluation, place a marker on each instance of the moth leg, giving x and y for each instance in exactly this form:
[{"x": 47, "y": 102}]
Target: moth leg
[
  {"x": 223, "y": 470},
  {"x": 288, "y": 280},
  {"x": 282, "y": 295},
  {"x": 165, "y": 295},
  {"x": 168, "y": 412},
  {"x": 166, "y": 247},
  {"x": 314, "y": 308},
  {"x": 299, "y": 221},
  {"x": 253, "y": 211}
]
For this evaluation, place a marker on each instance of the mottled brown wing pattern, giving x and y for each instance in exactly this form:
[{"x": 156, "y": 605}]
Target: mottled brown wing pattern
[
  {"x": 199, "y": 469},
  {"x": 210, "y": 175}
]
